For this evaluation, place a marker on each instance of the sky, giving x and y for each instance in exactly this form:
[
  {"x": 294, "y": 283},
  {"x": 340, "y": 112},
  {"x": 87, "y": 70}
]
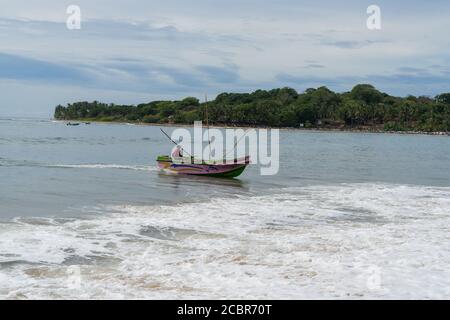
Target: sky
[{"x": 137, "y": 51}]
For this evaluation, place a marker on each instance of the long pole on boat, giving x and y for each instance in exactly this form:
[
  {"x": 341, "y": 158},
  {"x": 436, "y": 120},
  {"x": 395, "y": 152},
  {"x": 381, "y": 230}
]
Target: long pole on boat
[
  {"x": 168, "y": 137},
  {"x": 207, "y": 125},
  {"x": 235, "y": 144}
]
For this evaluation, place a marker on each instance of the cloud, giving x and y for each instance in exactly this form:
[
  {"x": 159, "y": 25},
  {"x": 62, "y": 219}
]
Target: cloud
[
  {"x": 174, "y": 48},
  {"x": 228, "y": 74},
  {"x": 304, "y": 81},
  {"x": 120, "y": 74},
  {"x": 314, "y": 66},
  {"x": 402, "y": 83},
  {"x": 333, "y": 38},
  {"x": 411, "y": 70},
  {"x": 346, "y": 44},
  {"x": 23, "y": 68}
]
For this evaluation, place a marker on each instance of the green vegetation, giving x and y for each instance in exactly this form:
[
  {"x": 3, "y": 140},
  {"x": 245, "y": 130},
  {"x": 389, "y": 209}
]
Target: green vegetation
[{"x": 364, "y": 107}]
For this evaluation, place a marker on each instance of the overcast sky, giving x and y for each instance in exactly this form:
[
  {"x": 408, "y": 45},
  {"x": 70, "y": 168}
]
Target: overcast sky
[{"x": 134, "y": 51}]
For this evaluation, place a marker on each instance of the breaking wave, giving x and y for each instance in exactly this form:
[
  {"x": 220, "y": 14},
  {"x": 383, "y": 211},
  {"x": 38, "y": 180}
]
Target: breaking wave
[
  {"x": 339, "y": 241},
  {"x": 105, "y": 166}
]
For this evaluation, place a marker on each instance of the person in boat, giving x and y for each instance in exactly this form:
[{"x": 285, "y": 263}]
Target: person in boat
[{"x": 177, "y": 153}]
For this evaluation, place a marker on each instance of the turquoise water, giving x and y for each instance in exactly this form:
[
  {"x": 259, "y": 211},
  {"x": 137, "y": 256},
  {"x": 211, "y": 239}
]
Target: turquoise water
[{"x": 345, "y": 209}]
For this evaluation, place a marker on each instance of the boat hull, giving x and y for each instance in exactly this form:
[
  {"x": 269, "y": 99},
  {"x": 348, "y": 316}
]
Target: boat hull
[{"x": 204, "y": 169}]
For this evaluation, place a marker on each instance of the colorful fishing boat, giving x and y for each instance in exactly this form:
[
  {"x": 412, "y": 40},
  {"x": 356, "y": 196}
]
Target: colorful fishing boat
[{"x": 187, "y": 166}]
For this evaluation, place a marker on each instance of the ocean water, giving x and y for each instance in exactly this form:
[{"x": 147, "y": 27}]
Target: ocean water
[{"x": 85, "y": 214}]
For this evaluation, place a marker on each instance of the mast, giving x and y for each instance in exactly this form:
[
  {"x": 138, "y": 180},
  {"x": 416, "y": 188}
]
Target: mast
[{"x": 207, "y": 125}]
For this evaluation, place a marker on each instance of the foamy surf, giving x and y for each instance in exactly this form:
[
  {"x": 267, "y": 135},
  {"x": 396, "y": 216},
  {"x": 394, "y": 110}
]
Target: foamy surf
[
  {"x": 339, "y": 241},
  {"x": 105, "y": 166}
]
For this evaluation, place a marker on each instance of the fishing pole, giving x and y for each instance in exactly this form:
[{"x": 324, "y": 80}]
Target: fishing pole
[
  {"x": 234, "y": 147},
  {"x": 174, "y": 142}
]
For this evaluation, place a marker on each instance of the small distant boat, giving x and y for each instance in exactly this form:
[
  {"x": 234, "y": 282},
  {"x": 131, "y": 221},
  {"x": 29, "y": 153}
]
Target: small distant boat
[
  {"x": 205, "y": 168},
  {"x": 73, "y": 124},
  {"x": 87, "y": 123}
]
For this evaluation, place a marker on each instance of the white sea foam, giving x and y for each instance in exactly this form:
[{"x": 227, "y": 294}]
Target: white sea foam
[
  {"x": 105, "y": 166},
  {"x": 341, "y": 241}
]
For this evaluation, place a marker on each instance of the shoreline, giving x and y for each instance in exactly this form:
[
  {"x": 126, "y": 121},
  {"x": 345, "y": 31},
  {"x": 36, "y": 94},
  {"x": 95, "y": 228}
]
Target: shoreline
[{"x": 222, "y": 126}]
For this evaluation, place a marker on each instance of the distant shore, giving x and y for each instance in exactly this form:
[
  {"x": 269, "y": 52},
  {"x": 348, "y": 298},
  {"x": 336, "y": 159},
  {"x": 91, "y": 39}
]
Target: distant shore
[
  {"x": 224, "y": 126},
  {"x": 363, "y": 109}
]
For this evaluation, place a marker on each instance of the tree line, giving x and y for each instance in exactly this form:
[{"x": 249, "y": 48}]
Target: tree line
[{"x": 364, "y": 107}]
